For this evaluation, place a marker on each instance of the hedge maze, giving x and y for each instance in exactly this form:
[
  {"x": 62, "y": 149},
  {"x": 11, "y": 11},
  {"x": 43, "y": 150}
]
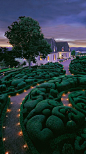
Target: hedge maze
[
  {"x": 48, "y": 126},
  {"x": 4, "y": 103},
  {"x": 78, "y": 65},
  {"x": 17, "y": 81}
]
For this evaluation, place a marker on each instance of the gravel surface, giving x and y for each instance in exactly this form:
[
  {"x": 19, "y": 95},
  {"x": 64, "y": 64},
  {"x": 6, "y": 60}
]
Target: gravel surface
[{"x": 14, "y": 142}]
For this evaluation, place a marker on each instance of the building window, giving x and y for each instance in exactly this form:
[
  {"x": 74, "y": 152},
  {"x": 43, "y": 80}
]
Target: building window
[
  {"x": 54, "y": 57},
  {"x": 62, "y": 48},
  {"x": 41, "y": 58},
  {"x": 54, "y": 49},
  {"x": 60, "y": 55},
  {"x": 48, "y": 58}
]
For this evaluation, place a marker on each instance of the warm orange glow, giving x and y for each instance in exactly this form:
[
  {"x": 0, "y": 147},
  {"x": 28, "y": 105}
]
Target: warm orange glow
[
  {"x": 62, "y": 99},
  {"x": 63, "y": 94},
  {"x": 23, "y": 98},
  {"x": 67, "y": 99},
  {"x": 25, "y": 146},
  {"x": 44, "y": 81},
  {"x": 17, "y": 94},
  {"x": 8, "y": 110},
  {"x": 20, "y": 133},
  {"x": 25, "y": 90},
  {"x": 83, "y": 90},
  {"x": 48, "y": 58},
  {"x": 72, "y": 74},
  {"x": 37, "y": 84},
  {"x": 4, "y": 127},
  {"x": 68, "y": 92},
  {"x": 6, "y": 115},
  {"x": 18, "y": 123},
  {"x": 54, "y": 57},
  {"x": 64, "y": 105},
  {"x": 11, "y": 103},
  {"x": 3, "y": 74},
  {"x": 6, "y": 152},
  {"x": 4, "y": 139},
  {"x": 41, "y": 58},
  {"x": 21, "y": 103},
  {"x": 70, "y": 105},
  {"x": 18, "y": 115},
  {"x": 18, "y": 110},
  {"x": 9, "y": 96},
  {"x": 31, "y": 87}
]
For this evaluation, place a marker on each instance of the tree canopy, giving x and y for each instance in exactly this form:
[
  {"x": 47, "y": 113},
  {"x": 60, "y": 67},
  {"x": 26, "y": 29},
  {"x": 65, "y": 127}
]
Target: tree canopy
[
  {"x": 26, "y": 38},
  {"x": 73, "y": 53},
  {"x": 8, "y": 57}
]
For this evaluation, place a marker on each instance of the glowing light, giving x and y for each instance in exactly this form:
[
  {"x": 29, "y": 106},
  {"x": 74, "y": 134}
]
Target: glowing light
[
  {"x": 67, "y": 99},
  {"x": 17, "y": 94},
  {"x": 37, "y": 84},
  {"x": 25, "y": 146},
  {"x": 6, "y": 152},
  {"x": 21, "y": 103},
  {"x": 72, "y": 74},
  {"x": 9, "y": 96},
  {"x": 83, "y": 90},
  {"x": 20, "y": 133},
  {"x": 18, "y": 110},
  {"x": 70, "y": 105},
  {"x": 18, "y": 115},
  {"x": 4, "y": 127},
  {"x": 63, "y": 94},
  {"x": 4, "y": 139},
  {"x": 8, "y": 110},
  {"x": 62, "y": 99},
  {"x": 11, "y": 103},
  {"x": 6, "y": 115},
  {"x": 23, "y": 98},
  {"x": 18, "y": 124},
  {"x": 25, "y": 90},
  {"x": 31, "y": 87}
]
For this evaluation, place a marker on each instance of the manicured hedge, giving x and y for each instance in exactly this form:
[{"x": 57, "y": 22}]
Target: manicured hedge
[
  {"x": 44, "y": 119},
  {"x": 78, "y": 100},
  {"x": 17, "y": 81},
  {"x": 4, "y": 103},
  {"x": 78, "y": 65}
]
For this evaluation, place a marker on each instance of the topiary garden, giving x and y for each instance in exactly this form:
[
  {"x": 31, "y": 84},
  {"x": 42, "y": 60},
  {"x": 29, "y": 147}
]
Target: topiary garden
[
  {"x": 17, "y": 81},
  {"x": 78, "y": 65},
  {"x": 48, "y": 126}
]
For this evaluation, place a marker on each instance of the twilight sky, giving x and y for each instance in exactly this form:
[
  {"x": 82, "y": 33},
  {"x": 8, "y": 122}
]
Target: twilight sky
[{"x": 63, "y": 20}]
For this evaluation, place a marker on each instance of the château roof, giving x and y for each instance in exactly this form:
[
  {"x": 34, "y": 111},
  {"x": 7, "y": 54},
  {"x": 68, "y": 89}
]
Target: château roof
[
  {"x": 62, "y": 44},
  {"x": 58, "y": 45}
]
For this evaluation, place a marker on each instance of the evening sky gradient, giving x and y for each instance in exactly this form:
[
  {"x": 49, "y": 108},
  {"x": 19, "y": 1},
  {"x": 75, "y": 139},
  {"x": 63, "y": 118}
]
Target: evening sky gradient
[{"x": 63, "y": 20}]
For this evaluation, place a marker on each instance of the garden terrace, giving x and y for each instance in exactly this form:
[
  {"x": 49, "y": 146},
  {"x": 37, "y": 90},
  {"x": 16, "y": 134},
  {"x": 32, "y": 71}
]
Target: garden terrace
[
  {"x": 78, "y": 65},
  {"x": 48, "y": 126},
  {"x": 23, "y": 79}
]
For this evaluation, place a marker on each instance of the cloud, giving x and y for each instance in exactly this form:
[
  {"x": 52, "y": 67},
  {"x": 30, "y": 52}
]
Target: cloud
[{"x": 59, "y": 18}]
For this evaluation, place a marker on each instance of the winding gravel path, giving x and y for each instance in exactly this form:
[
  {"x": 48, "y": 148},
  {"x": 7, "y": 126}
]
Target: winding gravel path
[{"x": 14, "y": 140}]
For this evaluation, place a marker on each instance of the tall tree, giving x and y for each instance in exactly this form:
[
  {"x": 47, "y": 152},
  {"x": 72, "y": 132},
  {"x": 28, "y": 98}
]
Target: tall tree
[{"x": 25, "y": 35}]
